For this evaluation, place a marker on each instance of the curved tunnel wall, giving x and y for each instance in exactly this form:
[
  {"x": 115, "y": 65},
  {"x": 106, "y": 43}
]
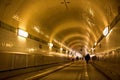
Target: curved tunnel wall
[
  {"x": 20, "y": 53},
  {"x": 108, "y": 52}
]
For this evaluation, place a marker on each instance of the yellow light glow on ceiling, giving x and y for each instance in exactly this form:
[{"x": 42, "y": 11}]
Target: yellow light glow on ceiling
[
  {"x": 75, "y": 35},
  {"x": 77, "y": 44},
  {"x": 77, "y": 41},
  {"x": 67, "y": 25},
  {"x": 36, "y": 28}
]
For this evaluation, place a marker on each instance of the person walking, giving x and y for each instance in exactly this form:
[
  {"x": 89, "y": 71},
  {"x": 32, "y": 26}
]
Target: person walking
[{"x": 87, "y": 58}]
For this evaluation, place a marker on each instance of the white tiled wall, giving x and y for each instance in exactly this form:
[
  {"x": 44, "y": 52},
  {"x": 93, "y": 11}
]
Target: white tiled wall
[{"x": 17, "y": 52}]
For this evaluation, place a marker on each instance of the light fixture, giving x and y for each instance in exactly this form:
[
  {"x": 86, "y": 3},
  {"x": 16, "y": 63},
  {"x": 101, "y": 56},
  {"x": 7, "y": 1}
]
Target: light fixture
[
  {"x": 22, "y": 33},
  {"x": 50, "y": 45},
  {"x": 61, "y": 49},
  {"x": 95, "y": 43},
  {"x": 92, "y": 49},
  {"x": 105, "y": 32},
  {"x": 36, "y": 28}
]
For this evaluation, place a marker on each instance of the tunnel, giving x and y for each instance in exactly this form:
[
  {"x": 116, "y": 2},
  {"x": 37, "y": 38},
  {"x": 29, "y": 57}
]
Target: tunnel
[{"x": 49, "y": 39}]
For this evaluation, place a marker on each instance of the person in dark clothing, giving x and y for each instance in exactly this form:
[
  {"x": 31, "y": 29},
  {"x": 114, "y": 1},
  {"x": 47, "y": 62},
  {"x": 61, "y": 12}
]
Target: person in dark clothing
[
  {"x": 87, "y": 58},
  {"x": 77, "y": 58}
]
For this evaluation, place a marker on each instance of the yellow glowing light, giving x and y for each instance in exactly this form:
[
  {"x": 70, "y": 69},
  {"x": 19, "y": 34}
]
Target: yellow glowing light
[
  {"x": 92, "y": 49},
  {"x": 95, "y": 43},
  {"x": 92, "y": 55},
  {"x": 78, "y": 55},
  {"x": 22, "y": 33},
  {"x": 109, "y": 33},
  {"x": 61, "y": 49},
  {"x": 46, "y": 36},
  {"x": 66, "y": 51},
  {"x": 31, "y": 49},
  {"x": 105, "y": 32},
  {"x": 36, "y": 29},
  {"x": 50, "y": 45}
]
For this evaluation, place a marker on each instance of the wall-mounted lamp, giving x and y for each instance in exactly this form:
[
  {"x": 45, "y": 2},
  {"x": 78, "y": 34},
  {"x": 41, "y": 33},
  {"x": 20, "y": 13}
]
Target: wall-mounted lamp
[
  {"x": 22, "y": 33},
  {"x": 61, "y": 49},
  {"x": 95, "y": 43},
  {"x": 50, "y": 45},
  {"x": 66, "y": 51},
  {"x": 105, "y": 31},
  {"x": 109, "y": 29}
]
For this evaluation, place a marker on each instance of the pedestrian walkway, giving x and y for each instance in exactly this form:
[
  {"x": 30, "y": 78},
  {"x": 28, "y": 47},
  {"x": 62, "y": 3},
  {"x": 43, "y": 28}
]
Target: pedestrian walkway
[
  {"x": 72, "y": 72},
  {"x": 94, "y": 74},
  {"x": 77, "y": 70}
]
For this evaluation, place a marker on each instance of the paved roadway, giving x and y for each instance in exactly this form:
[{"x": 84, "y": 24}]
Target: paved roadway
[
  {"x": 77, "y": 71},
  {"x": 73, "y": 72}
]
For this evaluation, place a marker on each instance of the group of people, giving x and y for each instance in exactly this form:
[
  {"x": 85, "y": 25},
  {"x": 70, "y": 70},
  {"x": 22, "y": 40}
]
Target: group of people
[{"x": 87, "y": 58}]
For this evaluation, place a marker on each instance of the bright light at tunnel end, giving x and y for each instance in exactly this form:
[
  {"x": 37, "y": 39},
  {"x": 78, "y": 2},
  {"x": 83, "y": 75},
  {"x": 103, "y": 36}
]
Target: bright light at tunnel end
[{"x": 22, "y": 33}]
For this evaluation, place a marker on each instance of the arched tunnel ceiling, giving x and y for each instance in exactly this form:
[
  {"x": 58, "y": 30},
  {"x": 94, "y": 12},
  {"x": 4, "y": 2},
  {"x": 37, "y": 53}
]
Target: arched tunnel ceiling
[{"x": 66, "y": 21}]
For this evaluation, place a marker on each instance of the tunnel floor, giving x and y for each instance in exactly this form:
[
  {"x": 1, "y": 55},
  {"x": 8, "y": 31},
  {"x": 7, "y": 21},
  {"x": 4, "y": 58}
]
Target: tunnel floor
[{"x": 78, "y": 70}]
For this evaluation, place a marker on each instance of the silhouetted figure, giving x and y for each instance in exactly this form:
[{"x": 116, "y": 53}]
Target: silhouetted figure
[
  {"x": 73, "y": 59},
  {"x": 87, "y": 58},
  {"x": 77, "y": 58}
]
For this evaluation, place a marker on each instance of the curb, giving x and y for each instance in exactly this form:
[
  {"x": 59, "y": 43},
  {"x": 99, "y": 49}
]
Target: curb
[{"x": 35, "y": 77}]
